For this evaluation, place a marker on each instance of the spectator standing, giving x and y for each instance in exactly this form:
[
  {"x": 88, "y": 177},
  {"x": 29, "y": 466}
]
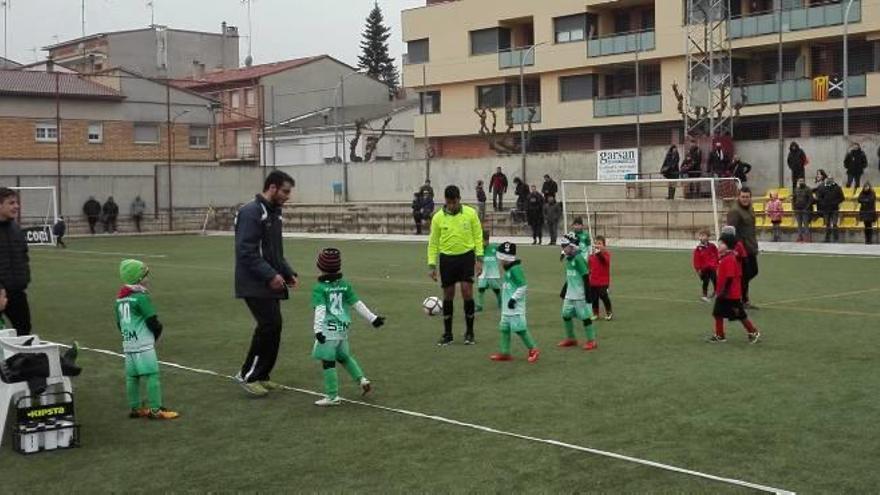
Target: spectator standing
[
  {"x": 797, "y": 163},
  {"x": 773, "y": 209},
  {"x": 111, "y": 213},
  {"x": 481, "y": 201},
  {"x": 742, "y": 217},
  {"x": 719, "y": 161},
  {"x": 855, "y": 164},
  {"x": 417, "y": 211},
  {"x": 15, "y": 270},
  {"x": 696, "y": 156},
  {"x": 498, "y": 188},
  {"x": 535, "y": 215},
  {"x": 427, "y": 206},
  {"x": 552, "y": 215},
  {"x": 802, "y": 204},
  {"x": 58, "y": 230},
  {"x": 92, "y": 211},
  {"x": 427, "y": 189},
  {"x": 740, "y": 169},
  {"x": 868, "y": 211},
  {"x": 549, "y": 188},
  {"x": 521, "y": 191},
  {"x": 829, "y": 195},
  {"x": 670, "y": 169},
  {"x": 138, "y": 208}
]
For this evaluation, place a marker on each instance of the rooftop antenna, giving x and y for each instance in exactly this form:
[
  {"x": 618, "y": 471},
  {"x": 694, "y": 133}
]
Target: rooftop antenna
[
  {"x": 249, "y": 60},
  {"x": 83, "y": 17},
  {"x": 151, "y": 4},
  {"x": 6, "y": 5}
]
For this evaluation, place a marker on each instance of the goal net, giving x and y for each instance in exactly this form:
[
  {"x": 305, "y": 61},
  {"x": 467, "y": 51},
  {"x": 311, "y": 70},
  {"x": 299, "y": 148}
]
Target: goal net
[
  {"x": 39, "y": 212},
  {"x": 640, "y": 213}
]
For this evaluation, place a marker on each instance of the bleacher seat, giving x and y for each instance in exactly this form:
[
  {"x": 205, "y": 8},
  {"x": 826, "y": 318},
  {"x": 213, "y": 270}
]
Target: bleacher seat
[{"x": 849, "y": 222}]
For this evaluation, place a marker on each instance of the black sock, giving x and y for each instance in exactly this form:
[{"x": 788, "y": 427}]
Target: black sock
[
  {"x": 448, "y": 310},
  {"x": 469, "y": 315}
]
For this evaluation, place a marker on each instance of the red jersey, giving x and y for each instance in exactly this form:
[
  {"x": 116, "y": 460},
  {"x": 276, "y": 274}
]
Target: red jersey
[
  {"x": 705, "y": 257},
  {"x": 600, "y": 269},
  {"x": 740, "y": 251},
  {"x": 729, "y": 271}
]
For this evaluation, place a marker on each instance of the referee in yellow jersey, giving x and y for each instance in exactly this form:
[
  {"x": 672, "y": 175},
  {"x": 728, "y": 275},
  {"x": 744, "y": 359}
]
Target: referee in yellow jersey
[{"x": 456, "y": 247}]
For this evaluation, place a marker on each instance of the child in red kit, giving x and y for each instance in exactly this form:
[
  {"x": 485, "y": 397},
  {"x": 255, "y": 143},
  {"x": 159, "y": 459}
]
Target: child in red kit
[
  {"x": 728, "y": 299},
  {"x": 600, "y": 277},
  {"x": 706, "y": 263}
]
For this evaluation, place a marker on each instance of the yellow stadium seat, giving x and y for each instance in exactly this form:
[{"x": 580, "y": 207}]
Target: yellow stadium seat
[
  {"x": 788, "y": 221},
  {"x": 784, "y": 192},
  {"x": 759, "y": 207},
  {"x": 761, "y": 221},
  {"x": 849, "y": 222},
  {"x": 786, "y": 207},
  {"x": 850, "y": 193},
  {"x": 849, "y": 206}
]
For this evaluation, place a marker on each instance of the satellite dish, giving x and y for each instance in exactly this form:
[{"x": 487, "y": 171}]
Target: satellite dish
[{"x": 248, "y": 61}]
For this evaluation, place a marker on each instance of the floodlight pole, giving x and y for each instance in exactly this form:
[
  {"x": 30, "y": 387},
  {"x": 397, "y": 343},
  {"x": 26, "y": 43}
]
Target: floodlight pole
[{"x": 846, "y": 71}]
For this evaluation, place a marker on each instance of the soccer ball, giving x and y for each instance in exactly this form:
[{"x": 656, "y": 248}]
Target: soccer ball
[{"x": 432, "y": 306}]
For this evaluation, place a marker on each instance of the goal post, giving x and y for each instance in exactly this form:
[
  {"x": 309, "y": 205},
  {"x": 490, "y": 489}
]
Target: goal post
[
  {"x": 640, "y": 213},
  {"x": 38, "y": 213}
]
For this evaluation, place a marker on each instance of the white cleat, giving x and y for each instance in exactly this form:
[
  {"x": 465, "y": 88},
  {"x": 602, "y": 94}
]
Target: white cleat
[
  {"x": 366, "y": 386},
  {"x": 328, "y": 402}
]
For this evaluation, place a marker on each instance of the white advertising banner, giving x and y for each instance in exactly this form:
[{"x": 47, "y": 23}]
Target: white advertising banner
[{"x": 616, "y": 165}]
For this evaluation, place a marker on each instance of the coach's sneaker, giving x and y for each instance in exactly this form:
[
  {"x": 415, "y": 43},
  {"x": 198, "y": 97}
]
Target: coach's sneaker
[
  {"x": 591, "y": 345},
  {"x": 139, "y": 412},
  {"x": 162, "y": 413},
  {"x": 501, "y": 357},
  {"x": 366, "y": 386},
  {"x": 705, "y": 299},
  {"x": 270, "y": 385},
  {"x": 714, "y": 339},
  {"x": 754, "y": 336},
  {"x": 469, "y": 339},
  {"x": 445, "y": 340},
  {"x": 609, "y": 317},
  {"x": 328, "y": 402},
  {"x": 533, "y": 355},
  {"x": 255, "y": 389},
  {"x": 567, "y": 343}
]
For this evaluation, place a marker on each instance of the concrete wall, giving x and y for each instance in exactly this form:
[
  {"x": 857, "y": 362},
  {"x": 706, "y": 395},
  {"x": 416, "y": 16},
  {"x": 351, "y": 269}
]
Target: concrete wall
[{"x": 137, "y": 50}]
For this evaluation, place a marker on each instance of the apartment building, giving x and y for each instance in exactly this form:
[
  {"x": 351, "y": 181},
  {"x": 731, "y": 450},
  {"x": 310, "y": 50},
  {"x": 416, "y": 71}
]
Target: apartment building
[{"x": 580, "y": 59}]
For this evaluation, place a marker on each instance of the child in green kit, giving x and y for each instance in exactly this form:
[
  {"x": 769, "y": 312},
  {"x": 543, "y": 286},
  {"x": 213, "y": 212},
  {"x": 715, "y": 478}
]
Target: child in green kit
[
  {"x": 583, "y": 237},
  {"x": 574, "y": 294},
  {"x": 140, "y": 328},
  {"x": 331, "y": 298},
  {"x": 490, "y": 278},
  {"x": 513, "y": 314}
]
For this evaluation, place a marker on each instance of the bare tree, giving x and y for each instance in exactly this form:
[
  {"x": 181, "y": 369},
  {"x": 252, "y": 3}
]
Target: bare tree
[
  {"x": 504, "y": 143},
  {"x": 361, "y": 125}
]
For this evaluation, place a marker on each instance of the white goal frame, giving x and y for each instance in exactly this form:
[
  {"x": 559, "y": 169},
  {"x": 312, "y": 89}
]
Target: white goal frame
[
  {"x": 50, "y": 216},
  {"x": 712, "y": 181}
]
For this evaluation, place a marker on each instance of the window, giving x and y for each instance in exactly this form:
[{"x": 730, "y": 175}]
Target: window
[
  {"x": 429, "y": 102},
  {"x": 491, "y": 40},
  {"x": 46, "y": 132},
  {"x": 417, "y": 52},
  {"x": 96, "y": 132},
  {"x": 575, "y": 88},
  {"x": 235, "y": 99},
  {"x": 250, "y": 97},
  {"x": 199, "y": 137},
  {"x": 146, "y": 133},
  {"x": 621, "y": 22},
  {"x": 570, "y": 28},
  {"x": 490, "y": 96}
]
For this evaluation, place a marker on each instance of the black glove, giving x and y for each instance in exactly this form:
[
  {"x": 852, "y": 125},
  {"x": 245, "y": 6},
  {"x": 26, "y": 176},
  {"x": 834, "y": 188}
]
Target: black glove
[
  {"x": 320, "y": 337},
  {"x": 379, "y": 321},
  {"x": 511, "y": 304}
]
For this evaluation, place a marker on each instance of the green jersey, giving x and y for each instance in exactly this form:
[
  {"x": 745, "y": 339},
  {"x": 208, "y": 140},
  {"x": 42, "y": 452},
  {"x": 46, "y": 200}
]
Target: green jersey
[
  {"x": 490, "y": 262},
  {"x": 133, "y": 308},
  {"x": 575, "y": 271},
  {"x": 515, "y": 287},
  {"x": 584, "y": 244},
  {"x": 331, "y": 300}
]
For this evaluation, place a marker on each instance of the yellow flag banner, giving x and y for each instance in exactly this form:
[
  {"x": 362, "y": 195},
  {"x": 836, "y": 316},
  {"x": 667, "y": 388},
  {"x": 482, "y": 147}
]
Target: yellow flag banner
[{"x": 820, "y": 88}]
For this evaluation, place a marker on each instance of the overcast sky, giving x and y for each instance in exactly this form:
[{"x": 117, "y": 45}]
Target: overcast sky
[{"x": 283, "y": 29}]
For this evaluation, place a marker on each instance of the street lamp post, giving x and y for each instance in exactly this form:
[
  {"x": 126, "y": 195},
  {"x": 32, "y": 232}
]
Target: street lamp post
[
  {"x": 780, "y": 131},
  {"x": 846, "y": 71},
  {"x": 339, "y": 94},
  {"x": 524, "y": 55}
]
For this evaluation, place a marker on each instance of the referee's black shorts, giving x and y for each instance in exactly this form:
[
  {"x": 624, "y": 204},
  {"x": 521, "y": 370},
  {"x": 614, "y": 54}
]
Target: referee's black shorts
[{"x": 457, "y": 268}]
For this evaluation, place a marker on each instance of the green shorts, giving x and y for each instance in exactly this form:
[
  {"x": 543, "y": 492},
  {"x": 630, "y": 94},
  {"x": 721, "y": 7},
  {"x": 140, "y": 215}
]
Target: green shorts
[
  {"x": 513, "y": 323},
  {"x": 489, "y": 283},
  {"x": 331, "y": 350},
  {"x": 141, "y": 363},
  {"x": 579, "y": 308}
]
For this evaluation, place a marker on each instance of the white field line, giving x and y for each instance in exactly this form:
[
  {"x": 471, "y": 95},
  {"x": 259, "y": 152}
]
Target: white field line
[
  {"x": 114, "y": 253},
  {"x": 487, "y": 429},
  {"x": 825, "y": 296}
]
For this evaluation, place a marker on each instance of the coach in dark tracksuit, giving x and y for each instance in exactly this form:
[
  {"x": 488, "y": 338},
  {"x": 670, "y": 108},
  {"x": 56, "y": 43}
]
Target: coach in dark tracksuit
[
  {"x": 742, "y": 217},
  {"x": 262, "y": 278},
  {"x": 15, "y": 271}
]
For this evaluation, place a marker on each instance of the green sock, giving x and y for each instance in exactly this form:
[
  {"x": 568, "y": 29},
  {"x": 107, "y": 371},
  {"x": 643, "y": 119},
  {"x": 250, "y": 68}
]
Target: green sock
[
  {"x": 505, "y": 343},
  {"x": 481, "y": 294},
  {"x": 331, "y": 383},
  {"x": 527, "y": 339},
  {"x": 498, "y": 297},
  {"x": 353, "y": 368},
  {"x": 591, "y": 329},
  {"x": 133, "y": 390},
  {"x": 569, "y": 329},
  {"x": 154, "y": 391}
]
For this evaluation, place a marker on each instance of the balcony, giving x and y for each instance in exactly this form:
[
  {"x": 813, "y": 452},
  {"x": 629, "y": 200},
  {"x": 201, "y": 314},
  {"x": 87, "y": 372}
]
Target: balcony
[
  {"x": 818, "y": 16},
  {"x": 616, "y": 106},
  {"x": 621, "y": 43},
  {"x": 520, "y": 115},
  {"x": 514, "y": 56},
  {"x": 792, "y": 90}
]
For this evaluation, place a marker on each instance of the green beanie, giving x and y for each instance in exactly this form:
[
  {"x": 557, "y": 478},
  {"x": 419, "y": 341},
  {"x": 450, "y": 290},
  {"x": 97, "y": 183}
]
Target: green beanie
[{"x": 132, "y": 271}]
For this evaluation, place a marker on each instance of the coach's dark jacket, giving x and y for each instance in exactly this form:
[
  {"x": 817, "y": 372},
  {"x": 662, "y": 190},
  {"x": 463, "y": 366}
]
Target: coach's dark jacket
[
  {"x": 15, "y": 271},
  {"x": 743, "y": 219},
  {"x": 259, "y": 252}
]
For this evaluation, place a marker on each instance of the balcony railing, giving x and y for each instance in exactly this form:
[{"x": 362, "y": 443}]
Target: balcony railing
[
  {"x": 626, "y": 105},
  {"x": 520, "y": 115},
  {"x": 514, "y": 56},
  {"x": 817, "y": 16},
  {"x": 621, "y": 43},
  {"x": 792, "y": 90}
]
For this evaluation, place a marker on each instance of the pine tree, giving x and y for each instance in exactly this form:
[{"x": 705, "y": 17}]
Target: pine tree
[{"x": 375, "y": 59}]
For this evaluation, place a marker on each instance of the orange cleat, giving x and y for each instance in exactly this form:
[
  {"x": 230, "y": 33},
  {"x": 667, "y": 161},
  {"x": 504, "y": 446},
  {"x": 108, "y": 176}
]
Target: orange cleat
[
  {"x": 163, "y": 413},
  {"x": 533, "y": 355},
  {"x": 591, "y": 345},
  {"x": 567, "y": 343},
  {"x": 501, "y": 357}
]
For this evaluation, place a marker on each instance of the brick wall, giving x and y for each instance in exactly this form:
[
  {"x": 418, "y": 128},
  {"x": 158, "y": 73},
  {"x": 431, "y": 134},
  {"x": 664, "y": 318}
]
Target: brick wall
[
  {"x": 118, "y": 144},
  {"x": 461, "y": 147}
]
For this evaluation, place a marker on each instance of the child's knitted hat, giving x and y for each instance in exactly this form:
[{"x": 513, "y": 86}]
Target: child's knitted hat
[
  {"x": 132, "y": 272},
  {"x": 330, "y": 260},
  {"x": 506, "y": 252}
]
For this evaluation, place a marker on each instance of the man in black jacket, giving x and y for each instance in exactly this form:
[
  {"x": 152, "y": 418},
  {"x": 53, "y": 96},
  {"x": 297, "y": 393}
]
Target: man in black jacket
[
  {"x": 855, "y": 164},
  {"x": 15, "y": 271},
  {"x": 92, "y": 211},
  {"x": 549, "y": 188},
  {"x": 797, "y": 163},
  {"x": 829, "y": 196},
  {"x": 498, "y": 188},
  {"x": 262, "y": 278},
  {"x": 111, "y": 213}
]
